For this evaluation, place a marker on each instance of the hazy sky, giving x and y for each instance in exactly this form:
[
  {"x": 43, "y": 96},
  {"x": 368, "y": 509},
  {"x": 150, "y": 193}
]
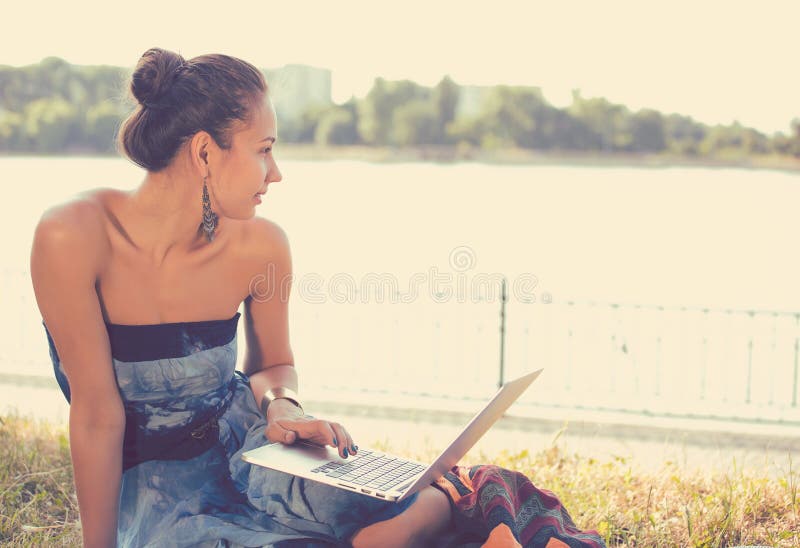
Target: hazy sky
[{"x": 716, "y": 61}]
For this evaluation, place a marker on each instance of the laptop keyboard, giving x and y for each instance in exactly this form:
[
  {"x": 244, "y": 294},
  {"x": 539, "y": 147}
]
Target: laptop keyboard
[{"x": 372, "y": 470}]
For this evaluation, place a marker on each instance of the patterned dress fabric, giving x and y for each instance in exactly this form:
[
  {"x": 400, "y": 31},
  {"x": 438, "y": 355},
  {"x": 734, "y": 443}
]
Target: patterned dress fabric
[{"x": 189, "y": 417}]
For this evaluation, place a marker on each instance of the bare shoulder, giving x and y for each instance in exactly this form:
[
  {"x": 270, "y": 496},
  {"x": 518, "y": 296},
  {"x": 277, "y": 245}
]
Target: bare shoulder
[
  {"x": 76, "y": 225},
  {"x": 79, "y": 218},
  {"x": 267, "y": 255},
  {"x": 265, "y": 240},
  {"x": 76, "y": 210}
]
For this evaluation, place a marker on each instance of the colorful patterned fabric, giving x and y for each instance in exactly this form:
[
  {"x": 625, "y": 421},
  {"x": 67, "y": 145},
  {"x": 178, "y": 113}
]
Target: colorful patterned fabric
[{"x": 493, "y": 507}]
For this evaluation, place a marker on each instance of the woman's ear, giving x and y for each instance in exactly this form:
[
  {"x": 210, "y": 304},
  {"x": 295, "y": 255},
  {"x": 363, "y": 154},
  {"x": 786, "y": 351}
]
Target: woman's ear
[{"x": 199, "y": 148}]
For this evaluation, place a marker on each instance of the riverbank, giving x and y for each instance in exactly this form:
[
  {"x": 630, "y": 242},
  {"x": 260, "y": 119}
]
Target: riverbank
[
  {"x": 508, "y": 156},
  {"x": 519, "y": 156}
]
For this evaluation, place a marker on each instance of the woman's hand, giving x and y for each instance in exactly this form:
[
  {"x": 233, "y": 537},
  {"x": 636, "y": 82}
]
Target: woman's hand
[{"x": 286, "y": 422}]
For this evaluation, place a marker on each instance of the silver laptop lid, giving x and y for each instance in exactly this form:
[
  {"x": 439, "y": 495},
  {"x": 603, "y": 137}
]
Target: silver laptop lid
[{"x": 469, "y": 436}]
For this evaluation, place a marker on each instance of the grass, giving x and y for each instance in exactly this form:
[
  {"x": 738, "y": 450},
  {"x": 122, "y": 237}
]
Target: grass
[
  {"x": 38, "y": 506},
  {"x": 671, "y": 507}
]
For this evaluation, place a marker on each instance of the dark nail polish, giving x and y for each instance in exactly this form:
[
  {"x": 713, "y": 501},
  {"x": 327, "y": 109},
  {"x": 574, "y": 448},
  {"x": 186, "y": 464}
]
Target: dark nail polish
[
  {"x": 354, "y": 448},
  {"x": 334, "y": 441},
  {"x": 345, "y": 452}
]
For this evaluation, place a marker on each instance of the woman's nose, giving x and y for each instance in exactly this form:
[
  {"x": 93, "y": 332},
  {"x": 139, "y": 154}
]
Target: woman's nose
[{"x": 274, "y": 175}]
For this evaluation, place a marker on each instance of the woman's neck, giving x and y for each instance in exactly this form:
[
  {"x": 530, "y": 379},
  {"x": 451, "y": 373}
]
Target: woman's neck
[{"x": 167, "y": 210}]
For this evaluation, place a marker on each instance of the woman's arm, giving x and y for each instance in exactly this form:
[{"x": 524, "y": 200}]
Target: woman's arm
[
  {"x": 269, "y": 361},
  {"x": 65, "y": 260}
]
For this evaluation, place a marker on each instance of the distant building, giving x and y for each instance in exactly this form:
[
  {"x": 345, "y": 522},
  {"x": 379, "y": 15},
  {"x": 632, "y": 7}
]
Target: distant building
[{"x": 296, "y": 87}]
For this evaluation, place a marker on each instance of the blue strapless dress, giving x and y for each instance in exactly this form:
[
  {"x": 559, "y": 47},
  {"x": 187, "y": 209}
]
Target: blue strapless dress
[{"x": 189, "y": 417}]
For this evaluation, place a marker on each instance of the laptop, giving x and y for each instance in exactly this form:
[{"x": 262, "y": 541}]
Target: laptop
[{"x": 378, "y": 474}]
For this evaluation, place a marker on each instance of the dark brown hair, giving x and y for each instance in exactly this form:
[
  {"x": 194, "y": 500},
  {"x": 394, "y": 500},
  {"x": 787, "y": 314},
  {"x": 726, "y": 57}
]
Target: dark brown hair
[{"x": 178, "y": 98}]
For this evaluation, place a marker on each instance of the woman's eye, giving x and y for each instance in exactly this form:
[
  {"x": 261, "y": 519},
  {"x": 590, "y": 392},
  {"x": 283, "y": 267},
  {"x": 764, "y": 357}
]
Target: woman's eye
[{"x": 266, "y": 150}]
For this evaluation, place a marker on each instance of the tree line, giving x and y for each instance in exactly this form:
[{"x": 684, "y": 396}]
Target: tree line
[{"x": 56, "y": 107}]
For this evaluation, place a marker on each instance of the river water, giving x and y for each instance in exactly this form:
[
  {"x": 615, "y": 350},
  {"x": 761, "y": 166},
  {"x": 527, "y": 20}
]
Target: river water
[{"x": 663, "y": 244}]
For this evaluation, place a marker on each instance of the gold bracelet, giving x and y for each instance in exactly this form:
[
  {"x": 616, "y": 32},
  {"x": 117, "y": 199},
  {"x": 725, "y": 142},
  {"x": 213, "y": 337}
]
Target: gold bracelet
[{"x": 278, "y": 392}]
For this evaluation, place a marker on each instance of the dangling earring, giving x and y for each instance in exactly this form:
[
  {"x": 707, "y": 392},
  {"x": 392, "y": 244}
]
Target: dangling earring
[{"x": 209, "y": 217}]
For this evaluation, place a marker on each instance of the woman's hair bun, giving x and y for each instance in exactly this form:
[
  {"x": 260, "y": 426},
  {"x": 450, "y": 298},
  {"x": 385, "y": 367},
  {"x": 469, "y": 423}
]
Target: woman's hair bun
[
  {"x": 179, "y": 98},
  {"x": 154, "y": 74}
]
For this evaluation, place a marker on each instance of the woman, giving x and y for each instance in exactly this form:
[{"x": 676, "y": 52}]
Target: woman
[{"x": 139, "y": 293}]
